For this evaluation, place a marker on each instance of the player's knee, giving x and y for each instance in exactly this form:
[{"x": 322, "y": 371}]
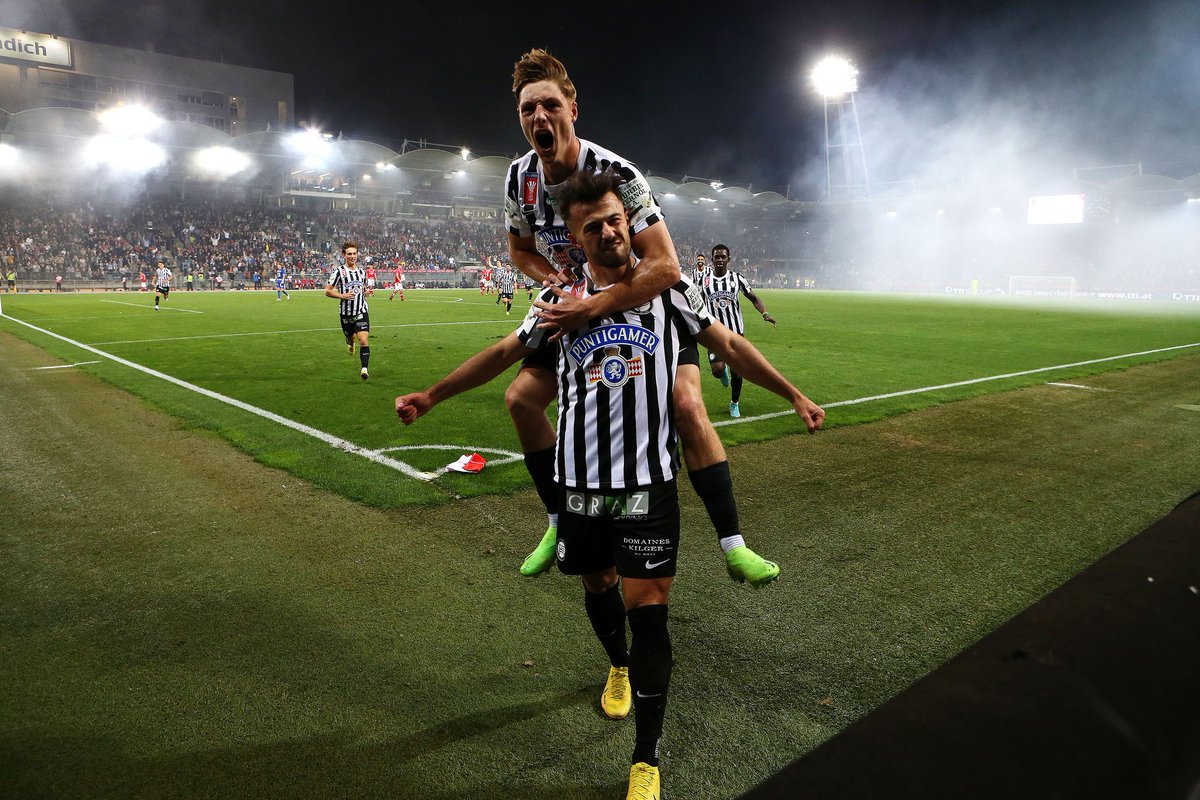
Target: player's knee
[
  {"x": 599, "y": 582},
  {"x": 689, "y": 408}
]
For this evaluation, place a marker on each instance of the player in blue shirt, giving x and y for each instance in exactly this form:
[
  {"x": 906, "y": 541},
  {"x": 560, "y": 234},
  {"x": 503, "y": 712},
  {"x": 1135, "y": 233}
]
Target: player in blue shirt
[{"x": 280, "y": 283}]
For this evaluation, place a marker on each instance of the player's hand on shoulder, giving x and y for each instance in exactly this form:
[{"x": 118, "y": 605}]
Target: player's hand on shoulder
[{"x": 567, "y": 314}]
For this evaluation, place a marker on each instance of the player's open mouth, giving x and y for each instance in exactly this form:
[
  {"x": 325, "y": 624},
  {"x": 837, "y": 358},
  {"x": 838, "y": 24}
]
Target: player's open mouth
[{"x": 544, "y": 140}]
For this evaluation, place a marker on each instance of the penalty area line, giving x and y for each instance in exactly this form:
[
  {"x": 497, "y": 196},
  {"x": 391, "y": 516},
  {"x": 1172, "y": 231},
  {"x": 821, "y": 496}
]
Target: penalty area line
[
  {"x": 970, "y": 382},
  {"x": 328, "y": 438}
]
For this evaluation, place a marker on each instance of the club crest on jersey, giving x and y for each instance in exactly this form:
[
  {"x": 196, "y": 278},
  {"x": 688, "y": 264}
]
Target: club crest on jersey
[
  {"x": 529, "y": 186},
  {"x": 614, "y": 371},
  {"x": 613, "y": 336},
  {"x": 559, "y": 247}
]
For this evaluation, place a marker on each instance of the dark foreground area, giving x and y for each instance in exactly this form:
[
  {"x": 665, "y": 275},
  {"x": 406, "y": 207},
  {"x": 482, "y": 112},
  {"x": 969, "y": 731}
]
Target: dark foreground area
[{"x": 1091, "y": 693}]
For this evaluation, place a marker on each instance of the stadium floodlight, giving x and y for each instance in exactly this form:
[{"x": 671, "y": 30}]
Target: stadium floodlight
[
  {"x": 465, "y": 153},
  {"x": 8, "y": 156},
  {"x": 717, "y": 185},
  {"x": 132, "y": 120},
  {"x": 123, "y": 155},
  {"x": 312, "y": 145},
  {"x": 835, "y": 76},
  {"x": 221, "y": 161}
]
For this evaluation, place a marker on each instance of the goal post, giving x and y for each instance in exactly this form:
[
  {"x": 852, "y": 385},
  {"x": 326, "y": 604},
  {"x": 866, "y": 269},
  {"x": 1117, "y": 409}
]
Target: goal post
[{"x": 1042, "y": 286}]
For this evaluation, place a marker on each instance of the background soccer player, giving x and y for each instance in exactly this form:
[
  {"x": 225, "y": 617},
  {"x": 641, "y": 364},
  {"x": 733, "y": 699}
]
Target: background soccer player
[
  {"x": 346, "y": 283},
  {"x": 541, "y": 246},
  {"x": 620, "y": 518},
  {"x": 723, "y": 292},
  {"x": 398, "y": 286},
  {"x": 701, "y": 272},
  {"x": 281, "y": 284},
  {"x": 162, "y": 283}
]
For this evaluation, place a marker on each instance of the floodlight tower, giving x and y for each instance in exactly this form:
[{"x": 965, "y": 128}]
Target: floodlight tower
[{"x": 836, "y": 80}]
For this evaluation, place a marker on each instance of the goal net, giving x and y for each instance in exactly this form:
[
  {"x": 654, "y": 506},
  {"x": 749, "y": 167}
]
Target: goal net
[{"x": 1042, "y": 286}]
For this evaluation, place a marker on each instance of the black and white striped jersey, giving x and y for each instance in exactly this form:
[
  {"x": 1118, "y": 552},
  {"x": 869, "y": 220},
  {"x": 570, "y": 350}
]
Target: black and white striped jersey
[
  {"x": 508, "y": 280},
  {"x": 701, "y": 277},
  {"x": 616, "y": 426},
  {"x": 529, "y": 203},
  {"x": 724, "y": 303},
  {"x": 162, "y": 277},
  {"x": 343, "y": 279}
]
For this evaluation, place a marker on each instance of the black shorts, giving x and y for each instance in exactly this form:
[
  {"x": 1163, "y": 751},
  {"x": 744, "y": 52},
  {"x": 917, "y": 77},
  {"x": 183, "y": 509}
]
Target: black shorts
[
  {"x": 163, "y": 290},
  {"x": 506, "y": 295},
  {"x": 545, "y": 357},
  {"x": 689, "y": 353},
  {"x": 636, "y": 529},
  {"x": 356, "y": 323}
]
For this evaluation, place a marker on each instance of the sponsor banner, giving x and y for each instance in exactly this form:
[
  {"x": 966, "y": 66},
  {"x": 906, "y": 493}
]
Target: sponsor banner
[{"x": 39, "y": 48}]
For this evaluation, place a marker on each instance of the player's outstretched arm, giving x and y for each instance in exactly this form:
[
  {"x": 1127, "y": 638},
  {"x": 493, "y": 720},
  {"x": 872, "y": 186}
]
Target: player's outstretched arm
[
  {"x": 745, "y": 359},
  {"x": 657, "y": 271},
  {"x": 474, "y": 372},
  {"x": 758, "y": 304}
]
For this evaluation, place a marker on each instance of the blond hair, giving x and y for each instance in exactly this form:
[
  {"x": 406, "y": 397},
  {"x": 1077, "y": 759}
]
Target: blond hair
[{"x": 539, "y": 65}]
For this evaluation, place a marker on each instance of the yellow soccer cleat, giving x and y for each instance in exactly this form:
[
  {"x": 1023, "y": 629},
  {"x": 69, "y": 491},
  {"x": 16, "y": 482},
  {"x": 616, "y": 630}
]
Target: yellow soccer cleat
[
  {"x": 643, "y": 782},
  {"x": 616, "y": 697}
]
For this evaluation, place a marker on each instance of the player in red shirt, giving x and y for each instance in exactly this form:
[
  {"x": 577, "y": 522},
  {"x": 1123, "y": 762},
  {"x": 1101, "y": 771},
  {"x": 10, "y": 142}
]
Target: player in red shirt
[
  {"x": 398, "y": 286},
  {"x": 485, "y": 281},
  {"x": 370, "y": 281}
]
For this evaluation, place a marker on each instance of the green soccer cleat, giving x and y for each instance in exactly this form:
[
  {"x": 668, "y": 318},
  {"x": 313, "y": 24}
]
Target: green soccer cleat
[
  {"x": 542, "y": 557},
  {"x": 746, "y": 566},
  {"x": 725, "y": 376},
  {"x": 643, "y": 782},
  {"x": 734, "y": 411},
  {"x": 616, "y": 699}
]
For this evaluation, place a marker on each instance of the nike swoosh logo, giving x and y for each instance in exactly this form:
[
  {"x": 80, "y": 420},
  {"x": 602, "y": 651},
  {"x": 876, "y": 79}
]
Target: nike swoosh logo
[
  {"x": 648, "y": 696},
  {"x": 656, "y": 564}
]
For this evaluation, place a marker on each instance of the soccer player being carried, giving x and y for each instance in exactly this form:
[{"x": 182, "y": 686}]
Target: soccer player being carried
[
  {"x": 346, "y": 283},
  {"x": 162, "y": 283},
  {"x": 398, "y": 286},
  {"x": 281, "y": 284},
  {"x": 722, "y": 292},
  {"x": 541, "y": 246},
  {"x": 615, "y": 460}
]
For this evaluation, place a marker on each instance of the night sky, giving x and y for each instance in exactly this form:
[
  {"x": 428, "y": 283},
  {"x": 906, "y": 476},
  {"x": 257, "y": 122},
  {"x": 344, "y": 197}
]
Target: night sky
[{"x": 719, "y": 93}]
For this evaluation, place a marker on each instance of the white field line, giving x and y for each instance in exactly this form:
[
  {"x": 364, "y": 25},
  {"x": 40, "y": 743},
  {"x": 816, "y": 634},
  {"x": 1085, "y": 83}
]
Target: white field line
[
  {"x": 1077, "y": 386},
  {"x": 923, "y": 389},
  {"x": 147, "y": 307},
  {"x": 301, "y": 330},
  {"x": 330, "y": 439},
  {"x": 66, "y": 366}
]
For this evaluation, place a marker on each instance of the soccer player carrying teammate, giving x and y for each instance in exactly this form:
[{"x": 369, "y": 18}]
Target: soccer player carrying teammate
[
  {"x": 616, "y": 460},
  {"x": 541, "y": 246},
  {"x": 346, "y": 283},
  {"x": 398, "y": 286},
  {"x": 281, "y": 284},
  {"x": 162, "y": 283},
  {"x": 722, "y": 294}
]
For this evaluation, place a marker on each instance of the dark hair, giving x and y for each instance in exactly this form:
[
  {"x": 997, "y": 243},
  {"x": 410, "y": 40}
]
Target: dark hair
[
  {"x": 717, "y": 247},
  {"x": 347, "y": 245},
  {"x": 586, "y": 187},
  {"x": 539, "y": 65}
]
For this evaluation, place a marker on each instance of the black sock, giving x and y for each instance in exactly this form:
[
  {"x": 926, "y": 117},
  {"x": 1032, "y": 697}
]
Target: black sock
[
  {"x": 606, "y": 612},
  {"x": 715, "y": 488},
  {"x": 364, "y": 355},
  {"x": 735, "y": 381},
  {"x": 541, "y": 468},
  {"x": 649, "y": 677}
]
